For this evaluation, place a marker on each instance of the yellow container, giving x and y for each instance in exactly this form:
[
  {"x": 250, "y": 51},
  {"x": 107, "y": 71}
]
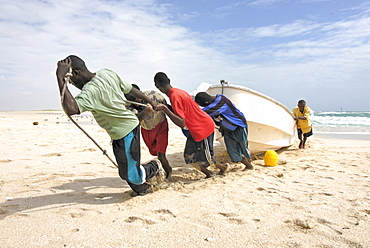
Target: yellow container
[{"x": 271, "y": 158}]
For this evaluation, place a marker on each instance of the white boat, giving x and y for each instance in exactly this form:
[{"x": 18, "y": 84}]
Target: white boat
[{"x": 271, "y": 125}]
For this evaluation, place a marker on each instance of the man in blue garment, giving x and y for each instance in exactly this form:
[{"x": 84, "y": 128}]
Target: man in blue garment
[{"x": 232, "y": 125}]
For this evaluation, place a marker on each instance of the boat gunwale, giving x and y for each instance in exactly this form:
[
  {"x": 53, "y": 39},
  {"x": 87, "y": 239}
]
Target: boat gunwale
[{"x": 255, "y": 93}]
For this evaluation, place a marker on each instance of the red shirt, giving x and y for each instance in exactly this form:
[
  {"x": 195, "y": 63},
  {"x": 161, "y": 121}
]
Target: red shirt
[{"x": 200, "y": 124}]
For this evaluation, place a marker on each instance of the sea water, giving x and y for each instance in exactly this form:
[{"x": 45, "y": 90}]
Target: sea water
[{"x": 341, "y": 124}]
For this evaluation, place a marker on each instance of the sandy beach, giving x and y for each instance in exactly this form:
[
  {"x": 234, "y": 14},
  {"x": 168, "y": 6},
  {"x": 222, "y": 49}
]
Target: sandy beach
[{"x": 59, "y": 190}]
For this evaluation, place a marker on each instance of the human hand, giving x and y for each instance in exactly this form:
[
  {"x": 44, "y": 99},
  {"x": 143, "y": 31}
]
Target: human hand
[
  {"x": 160, "y": 107},
  {"x": 149, "y": 107},
  {"x": 146, "y": 111},
  {"x": 154, "y": 105},
  {"x": 63, "y": 67}
]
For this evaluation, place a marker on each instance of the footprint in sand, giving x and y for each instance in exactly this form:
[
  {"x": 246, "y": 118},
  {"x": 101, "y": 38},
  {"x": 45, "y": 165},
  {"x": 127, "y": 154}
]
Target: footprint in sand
[
  {"x": 305, "y": 224},
  {"x": 89, "y": 150},
  {"x": 332, "y": 178},
  {"x": 57, "y": 154},
  {"x": 165, "y": 213},
  {"x": 238, "y": 221},
  {"x": 228, "y": 214},
  {"x": 233, "y": 218},
  {"x": 82, "y": 212},
  {"x": 6, "y": 161},
  {"x": 366, "y": 211},
  {"x": 133, "y": 219}
]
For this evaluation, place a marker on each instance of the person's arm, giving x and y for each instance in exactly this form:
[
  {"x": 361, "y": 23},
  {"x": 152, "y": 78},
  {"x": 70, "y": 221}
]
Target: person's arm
[
  {"x": 300, "y": 118},
  {"x": 174, "y": 118},
  {"x": 138, "y": 94},
  {"x": 306, "y": 114},
  {"x": 69, "y": 103},
  {"x": 296, "y": 117}
]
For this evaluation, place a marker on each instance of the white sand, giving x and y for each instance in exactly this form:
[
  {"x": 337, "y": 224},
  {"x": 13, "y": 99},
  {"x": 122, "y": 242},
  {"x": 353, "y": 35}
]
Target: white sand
[{"x": 59, "y": 190}]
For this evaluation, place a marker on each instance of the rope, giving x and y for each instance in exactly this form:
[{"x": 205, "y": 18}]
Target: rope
[{"x": 137, "y": 103}]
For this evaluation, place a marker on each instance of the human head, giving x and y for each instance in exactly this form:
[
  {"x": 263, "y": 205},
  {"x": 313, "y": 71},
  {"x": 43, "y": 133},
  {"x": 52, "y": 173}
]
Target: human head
[
  {"x": 130, "y": 97},
  {"x": 203, "y": 99},
  {"x": 79, "y": 70},
  {"x": 162, "y": 82},
  {"x": 301, "y": 104}
]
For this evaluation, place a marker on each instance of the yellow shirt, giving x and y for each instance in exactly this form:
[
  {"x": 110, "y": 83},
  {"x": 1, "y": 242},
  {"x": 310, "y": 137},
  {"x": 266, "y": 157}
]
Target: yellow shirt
[{"x": 305, "y": 125}]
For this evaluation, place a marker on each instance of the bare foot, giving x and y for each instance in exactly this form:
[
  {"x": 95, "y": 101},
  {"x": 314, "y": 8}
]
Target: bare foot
[
  {"x": 207, "y": 172},
  {"x": 169, "y": 178},
  {"x": 222, "y": 167},
  {"x": 248, "y": 166},
  {"x": 300, "y": 145}
]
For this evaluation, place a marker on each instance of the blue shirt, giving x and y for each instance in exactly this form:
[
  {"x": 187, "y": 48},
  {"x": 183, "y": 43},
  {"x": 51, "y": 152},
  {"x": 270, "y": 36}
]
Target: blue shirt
[{"x": 225, "y": 114}]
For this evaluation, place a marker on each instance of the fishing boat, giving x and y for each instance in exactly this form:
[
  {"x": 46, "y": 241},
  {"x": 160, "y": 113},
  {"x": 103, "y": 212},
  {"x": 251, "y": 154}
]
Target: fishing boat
[{"x": 271, "y": 125}]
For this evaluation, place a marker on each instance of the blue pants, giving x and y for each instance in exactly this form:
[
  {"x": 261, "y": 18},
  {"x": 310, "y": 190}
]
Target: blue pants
[
  {"x": 237, "y": 144},
  {"x": 127, "y": 153}
]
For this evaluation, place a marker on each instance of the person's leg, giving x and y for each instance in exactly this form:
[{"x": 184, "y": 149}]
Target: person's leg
[
  {"x": 236, "y": 144},
  {"x": 300, "y": 138},
  {"x": 141, "y": 189},
  {"x": 221, "y": 167},
  {"x": 166, "y": 165},
  {"x": 198, "y": 155},
  {"x": 156, "y": 140},
  {"x": 305, "y": 136},
  {"x": 127, "y": 153},
  {"x": 248, "y": 165},
  {"x": 202, "y": 169},
  {"x": 206, "y": 172},
  {"x": 209, "y": 143},
  {"x": 303, "y": 142},
  {"x": 123, "y": 164}
]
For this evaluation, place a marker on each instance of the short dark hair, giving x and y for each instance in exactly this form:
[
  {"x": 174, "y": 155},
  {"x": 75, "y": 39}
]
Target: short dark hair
[
  {"x": 302, "y": 101},
  {"x": 161, "y": 79},
  {"x": 203, "y": 99},
  {"x": 77, "y": 63},
  {"x": 130, "y": 97}
]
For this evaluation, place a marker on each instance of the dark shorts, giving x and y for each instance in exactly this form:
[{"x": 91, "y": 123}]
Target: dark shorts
[
  {"x": 200, "y": 153},
  {"x": 305, "y": 134},
  {"x": 236, "y": 144}
]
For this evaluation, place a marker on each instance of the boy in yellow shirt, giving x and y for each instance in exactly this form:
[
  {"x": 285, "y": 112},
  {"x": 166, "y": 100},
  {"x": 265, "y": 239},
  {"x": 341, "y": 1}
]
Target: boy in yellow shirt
[{"x": 304, "y": 126}]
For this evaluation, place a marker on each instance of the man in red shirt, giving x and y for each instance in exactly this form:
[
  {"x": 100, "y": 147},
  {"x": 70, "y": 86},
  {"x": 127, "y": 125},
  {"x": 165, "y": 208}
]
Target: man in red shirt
[{"x": 188, "y": 115}]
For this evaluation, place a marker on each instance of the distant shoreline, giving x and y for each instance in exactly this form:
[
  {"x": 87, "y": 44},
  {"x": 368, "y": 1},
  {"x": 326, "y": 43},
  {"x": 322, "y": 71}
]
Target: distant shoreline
[
  {"x": 342, "y": 136},
  {"x": 321, "y": 132}
]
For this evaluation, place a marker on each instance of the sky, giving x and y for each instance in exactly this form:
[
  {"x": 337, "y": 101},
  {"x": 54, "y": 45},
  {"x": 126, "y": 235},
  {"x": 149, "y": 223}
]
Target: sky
[{"x": 317, "y": 50}]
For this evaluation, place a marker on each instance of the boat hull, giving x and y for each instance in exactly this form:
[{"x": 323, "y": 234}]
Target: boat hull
[{"x": 271, "y": 126}]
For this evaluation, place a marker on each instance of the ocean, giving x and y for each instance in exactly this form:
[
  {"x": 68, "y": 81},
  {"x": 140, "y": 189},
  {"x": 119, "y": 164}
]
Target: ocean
[
  {"x": 326, "y": 124},
  {"x": 341, "y": 124}
]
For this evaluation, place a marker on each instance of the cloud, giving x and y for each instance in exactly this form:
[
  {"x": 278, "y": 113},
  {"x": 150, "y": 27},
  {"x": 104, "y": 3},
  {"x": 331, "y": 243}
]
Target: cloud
[
  {"x": 139, "y": 38},
  {"x": 135, "y": 40}
]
